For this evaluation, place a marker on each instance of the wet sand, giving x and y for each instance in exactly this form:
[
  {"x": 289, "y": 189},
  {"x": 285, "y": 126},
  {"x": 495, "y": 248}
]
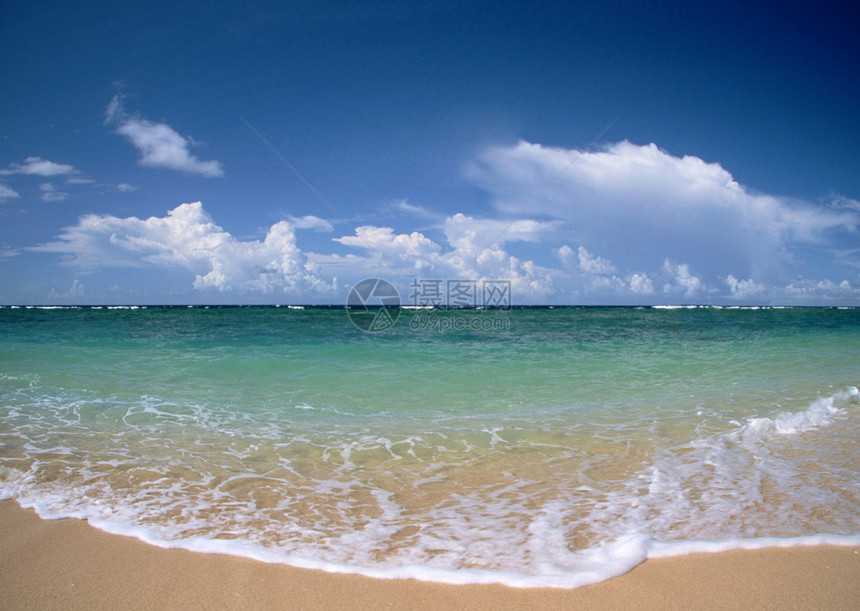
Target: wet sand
[{"x": 67, "y": 564}]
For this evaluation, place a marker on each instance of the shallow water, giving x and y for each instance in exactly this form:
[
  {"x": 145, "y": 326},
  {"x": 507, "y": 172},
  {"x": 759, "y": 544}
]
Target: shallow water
[{"x": 529, "y": 447}]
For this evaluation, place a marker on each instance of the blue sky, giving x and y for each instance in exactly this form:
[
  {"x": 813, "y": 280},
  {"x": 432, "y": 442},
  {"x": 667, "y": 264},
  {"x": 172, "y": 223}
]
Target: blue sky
[{"x": 588, "y": 152}]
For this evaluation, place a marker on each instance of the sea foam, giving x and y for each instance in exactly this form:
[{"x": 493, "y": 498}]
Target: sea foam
[
  {"x": 676, "y": 504},
  {"x": 562, "y": 452}
]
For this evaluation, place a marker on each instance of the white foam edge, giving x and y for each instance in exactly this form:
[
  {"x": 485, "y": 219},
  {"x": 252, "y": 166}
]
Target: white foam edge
[
  {"x": 671, "y": 549},
  {"x": 597, "y": 564}
]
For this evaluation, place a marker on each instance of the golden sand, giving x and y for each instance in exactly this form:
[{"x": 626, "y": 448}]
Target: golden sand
[{"x": 67, "y": 564}]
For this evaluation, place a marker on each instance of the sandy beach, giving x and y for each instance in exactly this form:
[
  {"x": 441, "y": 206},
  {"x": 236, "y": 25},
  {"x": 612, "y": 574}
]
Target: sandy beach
[{"x": 67, "y": 564}]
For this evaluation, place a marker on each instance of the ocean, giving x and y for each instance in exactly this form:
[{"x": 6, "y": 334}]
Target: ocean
[{"x": 529, "y": 446}]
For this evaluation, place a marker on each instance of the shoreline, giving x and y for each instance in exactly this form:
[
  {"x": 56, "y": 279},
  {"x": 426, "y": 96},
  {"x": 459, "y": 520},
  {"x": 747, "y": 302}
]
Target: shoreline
[{"x": 68, "y": 564}]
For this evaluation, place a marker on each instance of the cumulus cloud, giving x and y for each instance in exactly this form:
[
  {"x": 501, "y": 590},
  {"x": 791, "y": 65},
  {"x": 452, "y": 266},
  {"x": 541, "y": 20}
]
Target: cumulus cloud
[
  {"x": 483, "y": 234},
  {"x": 590, "y": 264},
  {"x": 682, "y": 278},
  {"x": 160, "y": 146},
  {"x": 384, "y": 241},
  {"x": 625, "y": 224},
  {"x": 76, "y": 291},
  {"x": 473, "y": 250},
  {"x": 744, "y": 288},
  {"x": 643, "y": 205},
  {"x": 641, "y": 284},
  {"x": 566, "y": 254},
  {"x": 473, "y": 244},
  {"x": 811, "y": 291},
  {"x": 188, "y": 238},
  {"x": 8, "y": 193},
  {"x": 39, "y": 167},
  {"x": 595, "y": 278}
]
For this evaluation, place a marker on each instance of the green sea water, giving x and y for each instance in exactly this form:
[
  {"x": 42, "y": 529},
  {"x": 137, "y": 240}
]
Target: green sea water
[{"x": 532, "y": 446}]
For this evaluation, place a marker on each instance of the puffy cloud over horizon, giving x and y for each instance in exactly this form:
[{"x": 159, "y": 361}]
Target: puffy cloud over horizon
[
  {"x": 473, "y": 250},
  {"x": 160, "y": 146},
  {"x": 188, "y": 238},
  {"x": 639, "y": 205},
  {"x": 627, "y": 224}
]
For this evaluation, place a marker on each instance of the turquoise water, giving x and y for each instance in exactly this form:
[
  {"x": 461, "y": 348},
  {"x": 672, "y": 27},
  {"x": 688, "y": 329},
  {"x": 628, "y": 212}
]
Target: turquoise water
[{"x": 529, "y": 447}]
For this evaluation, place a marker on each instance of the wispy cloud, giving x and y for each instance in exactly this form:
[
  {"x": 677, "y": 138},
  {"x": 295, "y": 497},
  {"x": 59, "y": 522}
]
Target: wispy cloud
[
  {"x": 8, "y": 192},
  {"x": 39, "y": 167},
  {"x": 50, "y": 193},
  {"x": 160, "y": 146},
  {"x": 405, "y": 207},
  {"x": 312, "y": 222}
]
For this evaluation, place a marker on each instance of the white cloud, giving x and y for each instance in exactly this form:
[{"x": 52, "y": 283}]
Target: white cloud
[
  {"x": 50, "y": 193},
  {"x": 590, "y": 264},
  {"x": 743, "y": 288},
  {"x": 309, "y": 221},
  {"x": 8, "y": 193},
  {"x": 647, "y": 226},
  {"x": 848, "y": 256},
  {"x": 641, "y": 284},
  {"x": 840, "y": 201},
  {"x": 114, "y": 111},
  {"x": 643, "y": 205},
  {"x": 160, "y": 145},
  {"x": 478, "y": 252},
  {"x": 566, "y": 254},
  {"x": 482, "y": 236},
  {"x": 39, "y": 167},
  {"x": 188, "y": 238},
  {"x": 419, "y": 211},
  {"x": 826, "y": 291},
  {"x": 384, "y": 241},
  {"x": 124, "y": 187},
  {"x": 76, "y": 291},
  {"x": 471, "y": 253},
  {"x": 683, "y": 278},
  {"x": 597, "y": 279}
]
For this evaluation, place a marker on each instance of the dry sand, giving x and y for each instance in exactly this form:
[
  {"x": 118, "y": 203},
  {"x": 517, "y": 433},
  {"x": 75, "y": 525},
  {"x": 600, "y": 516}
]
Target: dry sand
[{"x": 67, "y": 564}]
